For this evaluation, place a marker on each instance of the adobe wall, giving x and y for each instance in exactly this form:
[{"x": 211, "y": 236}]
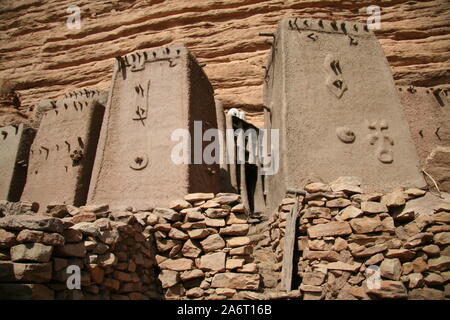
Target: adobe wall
[
  {"x": 15, "y": 143},
  {"x": 338, "y": 109},
  {"x": 63, "y": 153},
  {"x": 153, "y": 93}
]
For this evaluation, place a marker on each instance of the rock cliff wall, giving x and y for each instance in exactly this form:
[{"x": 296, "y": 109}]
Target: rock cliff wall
[{"x": 44, "y": 58}]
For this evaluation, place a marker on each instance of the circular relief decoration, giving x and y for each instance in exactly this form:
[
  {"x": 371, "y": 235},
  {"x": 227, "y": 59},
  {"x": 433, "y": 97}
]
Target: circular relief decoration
[
  {"x": 345, "y": 134},
  {"x": 139, "y": 162}
]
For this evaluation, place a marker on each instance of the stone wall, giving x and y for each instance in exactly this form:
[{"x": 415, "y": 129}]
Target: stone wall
[
  {"x": 348, "y": 245},
  {"x": 348, "y": 240},
  {"x": 204, "y": 251},
  {"x": 114, "y": 254}
]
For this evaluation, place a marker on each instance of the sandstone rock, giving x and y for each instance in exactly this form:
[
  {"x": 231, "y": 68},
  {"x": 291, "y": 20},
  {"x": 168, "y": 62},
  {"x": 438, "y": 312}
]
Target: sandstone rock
[
  {"x": 107, "y": 259},
  {"x": 376, "y": 259},
  {"x": 216, "y": 213},
  {"x": 234, "y": 263},
  {"x": 373, "y": 207},
  {"x": 419, "y": 265},
  {"x": 366, "y": 225},
  {"x": 317, "y": 187},
  {"x": 227, "y": 198},
  {"x": 348, "y": 184},
  {"x": 365, "y": 252},
  {"x": 227, "y": 292},
  {"x": 7, "y": 239},
  {"x": 426, "y": 294},
  {"x": 338, "y": 203},
  {"x": 42, "y": 223},
  {"x": 31, "y": 252},
  {"x": 313, "y": 278},
  {"x": 194, "y": 293},
  {"x": 393, "y": 199},
  {"x": 431, "y": 250},
  {"x": 25, "y": 272},
  {"x": 439, "y": 228},
  {"x": 402, "y": 254},
  {"x": 198, "y": 233},
  {"x": 317, "y": 212},
  {"x": 231, "y": 280},
  {"x": 71, "y": 250},
  {"x": 418, "y": 239},
  {"x": 194, "y": 197},
  {"x": 320, "y": 245},
  {"x": 238, "y": 241},
  {"x": 168, "y": 214},
  {"x": 442, "y": 238},
  {"x": 71, "y": 235},
  {"x": 212, "y": 243},
  {"x": 87, "y": 228},
  {"x": 441, "y": 263},
  {"x": 434, "y": 279},
  {"x": 415, "y": 280},
  {"x": 443, "y": 206},
  {"x": 179, "y": 205},
  {"x": 213, "y": 262},
  {"x": 194, "y": 215},
  {"x": 84, "y": 217},
  {"x": 350, "y": 212},
  {"x": 97, "y": 273},
  {"x": 329, "y": 229},
  {"x": 391, "y": 269},
  {"x": 181, "y": 264},
  {"x": 235, "y": 230},
  {"x": 388, "y": 224},
  {"x": 354, "y": 267},
  {"x": 443, "y": 217},
  {"x": 95, "y": 208},
  {"x": 414, "y": 192},
  {"x": 192, "y": 274},
  {"x": 168, "y": 278},
  {"x": 321, "y": 255},
  {"x": 215, "y": 223},
  {"x": 191, "y": 249},
  {"x": 236, "y": 218},
  {"x": 209, "y": 204},
  {"x": 310, "y": 288},
  {"x": 53, "y": 239},
  {"x": 250, "y": 268},
  {"x": 177, "y": 234},
  {"x": 239, "y": 208},
  {"x": 390, "y": 290},
  {"x": 241, "y": 251}
]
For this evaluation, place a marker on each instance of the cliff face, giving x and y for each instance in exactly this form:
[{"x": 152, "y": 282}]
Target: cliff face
[{"x": 45, "y": 58}]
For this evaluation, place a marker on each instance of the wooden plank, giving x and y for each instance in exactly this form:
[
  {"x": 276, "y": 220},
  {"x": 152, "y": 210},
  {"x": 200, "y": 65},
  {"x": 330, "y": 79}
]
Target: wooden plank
[{"x": 288, "y": 250}]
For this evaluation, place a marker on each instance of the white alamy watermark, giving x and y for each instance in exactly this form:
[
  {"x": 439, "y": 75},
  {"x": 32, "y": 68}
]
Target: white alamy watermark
[
  {"x": 256, "y": 144},
  {"x": 373, "y": 274},
  {"x": 74, "y": 278},
  {"x": 374, "y": 19},
  {"x": 74, "y": 18}
]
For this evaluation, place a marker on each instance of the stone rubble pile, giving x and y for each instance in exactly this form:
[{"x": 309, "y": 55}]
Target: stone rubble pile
[
  {"x": 38, "y": 253},
  {"x": 203, "y": 248},
  {"x": 354, "y": 245}
]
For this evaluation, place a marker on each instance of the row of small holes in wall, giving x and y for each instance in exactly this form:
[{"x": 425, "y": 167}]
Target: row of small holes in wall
[{"x": 320, "y": 23}]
